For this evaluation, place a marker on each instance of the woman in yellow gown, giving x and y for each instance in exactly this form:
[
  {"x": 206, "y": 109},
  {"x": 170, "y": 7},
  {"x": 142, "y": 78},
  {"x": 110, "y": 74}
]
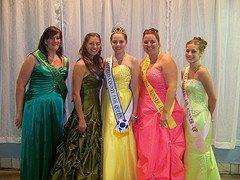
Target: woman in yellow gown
[{"x": 119, "y": 151}]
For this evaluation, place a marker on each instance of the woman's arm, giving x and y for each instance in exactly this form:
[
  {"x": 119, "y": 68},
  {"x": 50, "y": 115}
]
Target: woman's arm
[
  {"x": 205, "y": 77},
  {"x": 22, "y": 80},
  {"x": 134, "y": 87},
  {"x": 103, "y": 87},
  {"x": 170, "y": 73},
  {"x": 79, "y": 72},
  {"x": 67, "y": 64}
]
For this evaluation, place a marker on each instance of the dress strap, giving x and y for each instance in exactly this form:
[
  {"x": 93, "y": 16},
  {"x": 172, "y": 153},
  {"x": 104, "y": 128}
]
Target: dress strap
[{"x": 64, "y": 60}]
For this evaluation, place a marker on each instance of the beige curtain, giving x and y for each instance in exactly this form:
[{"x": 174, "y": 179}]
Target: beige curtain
[{"x": 23, "y": 21}]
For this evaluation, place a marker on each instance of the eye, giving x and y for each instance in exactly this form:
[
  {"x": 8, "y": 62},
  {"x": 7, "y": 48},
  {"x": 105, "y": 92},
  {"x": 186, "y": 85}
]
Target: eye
[
  {"x": 152, "y": 41},
  {"x": 145, "y": 42}
]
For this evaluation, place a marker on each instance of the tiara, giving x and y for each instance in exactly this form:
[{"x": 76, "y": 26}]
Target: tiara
[{"x": 118, "y": 30}]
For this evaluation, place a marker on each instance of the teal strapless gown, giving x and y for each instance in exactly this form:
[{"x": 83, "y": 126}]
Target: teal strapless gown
[
  {"x": 79, "y": 155},
  {"x": 42, "y": 123},
  {"x": 199, "y": 165}
]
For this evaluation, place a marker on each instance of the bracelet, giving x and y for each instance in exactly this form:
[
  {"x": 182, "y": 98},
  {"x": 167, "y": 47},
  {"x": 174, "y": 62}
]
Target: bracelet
[{"x": 135, "y": 117}]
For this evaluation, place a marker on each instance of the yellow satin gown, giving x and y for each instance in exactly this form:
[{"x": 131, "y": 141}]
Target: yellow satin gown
[{"x": 119, "y": 154}]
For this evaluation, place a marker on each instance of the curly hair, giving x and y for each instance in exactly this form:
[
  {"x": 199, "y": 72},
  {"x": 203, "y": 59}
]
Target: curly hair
[
  {"x": 199, "y": 42},
  {"x": 93, "y": 64}
]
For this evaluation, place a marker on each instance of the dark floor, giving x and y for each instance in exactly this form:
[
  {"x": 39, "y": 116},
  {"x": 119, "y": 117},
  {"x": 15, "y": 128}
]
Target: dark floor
[{"x": 14, "y": 174}]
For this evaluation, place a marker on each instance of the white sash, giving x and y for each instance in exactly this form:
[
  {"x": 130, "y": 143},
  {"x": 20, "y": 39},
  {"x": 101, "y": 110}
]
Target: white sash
[
  {"x": 200, "y": 137},
  {"x": 121, "y": 128}
]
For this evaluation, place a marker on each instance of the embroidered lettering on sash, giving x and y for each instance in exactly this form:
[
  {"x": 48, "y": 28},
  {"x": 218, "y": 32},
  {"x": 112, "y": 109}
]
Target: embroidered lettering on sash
[
  {"x": 121, "y": 128},
  {"x": 156, "y": 100},
  {"x": 199, "y": 136}
]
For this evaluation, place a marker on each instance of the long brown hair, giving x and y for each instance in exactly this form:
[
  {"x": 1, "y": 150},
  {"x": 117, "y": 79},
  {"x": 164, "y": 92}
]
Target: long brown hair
[
  {"x": 93, "y": 64},
  {"x": 49, "y": 33}
]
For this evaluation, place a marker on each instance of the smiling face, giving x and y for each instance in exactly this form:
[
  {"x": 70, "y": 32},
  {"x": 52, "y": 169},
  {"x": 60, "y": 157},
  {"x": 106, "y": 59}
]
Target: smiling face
[
  {"x": 150, "y": 44},
  {"x": 192, "y": 53},
  {"x": 53, "y": 43},
  {"x": 93, "y": 46},
  {"x": 118, "y": 43}
]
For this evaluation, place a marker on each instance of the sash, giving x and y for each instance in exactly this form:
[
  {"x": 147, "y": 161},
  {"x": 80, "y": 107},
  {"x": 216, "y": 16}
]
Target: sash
[
  {"x": 121, "y": 128},
  {"x": 56, "y": 74},
  {"x": 200, "y": 137},
  {"x": 153, "y": 95}
]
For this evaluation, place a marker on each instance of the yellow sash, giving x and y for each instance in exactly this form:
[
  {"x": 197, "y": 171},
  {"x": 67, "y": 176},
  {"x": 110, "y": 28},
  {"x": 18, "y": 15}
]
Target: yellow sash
[{"x": 156, "y": 100}]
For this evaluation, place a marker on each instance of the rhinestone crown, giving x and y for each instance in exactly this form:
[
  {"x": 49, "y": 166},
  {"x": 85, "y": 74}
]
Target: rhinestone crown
[{"x": 118, "y": 29}]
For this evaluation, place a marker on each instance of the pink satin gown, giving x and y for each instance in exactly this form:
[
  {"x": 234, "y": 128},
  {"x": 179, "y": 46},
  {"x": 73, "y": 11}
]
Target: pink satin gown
[{"x": 160, "y": 150}]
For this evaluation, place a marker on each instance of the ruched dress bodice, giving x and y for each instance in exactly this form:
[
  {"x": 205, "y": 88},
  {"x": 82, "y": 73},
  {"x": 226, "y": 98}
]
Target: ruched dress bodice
[{"x": 42, "y": 82}]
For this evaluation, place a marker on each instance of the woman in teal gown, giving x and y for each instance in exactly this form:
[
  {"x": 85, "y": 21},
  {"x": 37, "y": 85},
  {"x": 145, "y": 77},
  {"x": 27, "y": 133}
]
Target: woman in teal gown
[
  {"x": 40, "y": 111},
  {"x": 79, "y": 152},
  {"x": 200, "y": 102}
]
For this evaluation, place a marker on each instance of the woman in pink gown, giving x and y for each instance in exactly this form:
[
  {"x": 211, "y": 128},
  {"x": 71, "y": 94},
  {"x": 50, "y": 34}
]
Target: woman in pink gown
[{"x": 158, "y": 129}]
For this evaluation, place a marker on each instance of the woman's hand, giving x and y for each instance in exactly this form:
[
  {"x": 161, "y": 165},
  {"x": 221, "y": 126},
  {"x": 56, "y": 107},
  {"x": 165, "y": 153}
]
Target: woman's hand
[
  {"x": 133, "y": 119},
  {"x": 18, "y": 121},
  {"x": 163, "y": 122},
  {"x": 82, "y": 126},
  {"x": 164, "y": 118}
]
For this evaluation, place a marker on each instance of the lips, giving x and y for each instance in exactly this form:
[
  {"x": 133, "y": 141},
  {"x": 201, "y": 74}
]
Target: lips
[{"x": 150, "y": 50}]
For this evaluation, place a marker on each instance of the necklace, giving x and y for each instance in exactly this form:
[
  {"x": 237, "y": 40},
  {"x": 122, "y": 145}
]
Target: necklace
[
  {"x": 52, "y": 59},
  {"x": 120, "y": 60},
  {"x": 155, "y": 59}
]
